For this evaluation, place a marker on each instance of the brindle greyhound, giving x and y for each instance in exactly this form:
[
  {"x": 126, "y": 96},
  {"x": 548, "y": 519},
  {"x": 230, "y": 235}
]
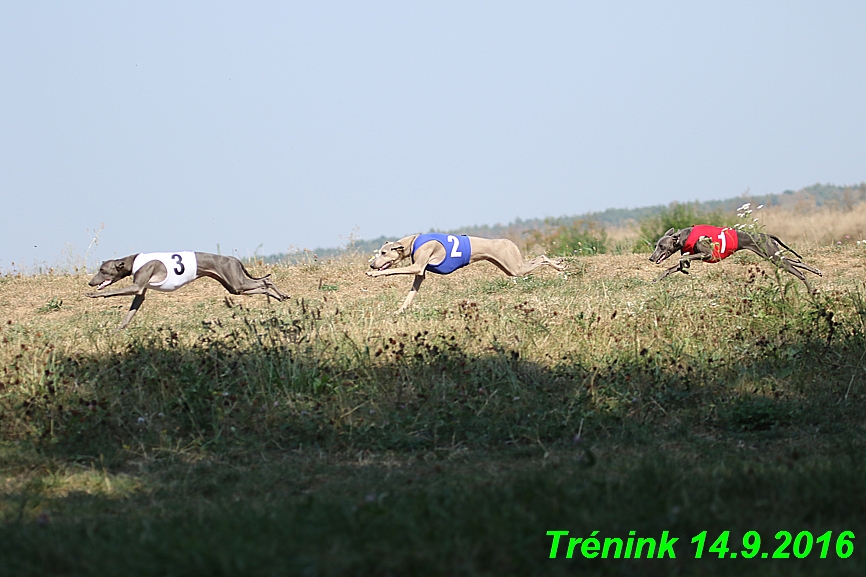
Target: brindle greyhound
[
  {"x": 766, "y": 246},
  {"x": 500, "y": 251},
  {"x": 151, "y": 272}
]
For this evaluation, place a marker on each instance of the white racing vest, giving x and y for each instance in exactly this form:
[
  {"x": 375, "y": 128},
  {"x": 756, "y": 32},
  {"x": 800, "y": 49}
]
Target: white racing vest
[{"x": 180, "y": 268}]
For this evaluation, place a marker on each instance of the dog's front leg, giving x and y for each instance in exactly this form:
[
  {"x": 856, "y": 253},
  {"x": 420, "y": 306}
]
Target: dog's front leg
[
  {"x": 682, "y": 266},
  {"x": 686, "y": 261},
  {"x": 676, "y": 268},
  {"x": 133, "y": 308},
  {"x": 132, "y": 289},
  {"x": 416, "y": 269},
  {"x": 416, "y": 284}
]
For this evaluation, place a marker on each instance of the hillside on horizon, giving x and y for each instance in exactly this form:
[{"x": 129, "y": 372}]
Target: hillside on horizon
[{"x": 817, "y": 195}]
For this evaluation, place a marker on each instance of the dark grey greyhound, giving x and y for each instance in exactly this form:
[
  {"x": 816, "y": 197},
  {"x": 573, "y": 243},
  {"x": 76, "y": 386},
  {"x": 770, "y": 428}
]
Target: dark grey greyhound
[
  {"x": 167, "y": 271},
  {"x": 712, "y": 244}
]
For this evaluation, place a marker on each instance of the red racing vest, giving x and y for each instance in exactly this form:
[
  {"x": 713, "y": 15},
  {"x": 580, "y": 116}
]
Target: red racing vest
[{"x": 724, "y": 241}]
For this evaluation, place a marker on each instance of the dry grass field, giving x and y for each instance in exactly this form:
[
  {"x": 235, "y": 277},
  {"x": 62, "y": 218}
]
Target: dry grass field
[
  {"x": 327, "y": 436},
  {"x": 803, "y": 224}
]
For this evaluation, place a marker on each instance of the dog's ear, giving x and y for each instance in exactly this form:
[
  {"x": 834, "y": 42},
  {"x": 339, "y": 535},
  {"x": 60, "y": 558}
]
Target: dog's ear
[
  {"x": 669, "y": 232},
  {"x": 399, "y": 247},
  {"x": 121, "y": 265}
]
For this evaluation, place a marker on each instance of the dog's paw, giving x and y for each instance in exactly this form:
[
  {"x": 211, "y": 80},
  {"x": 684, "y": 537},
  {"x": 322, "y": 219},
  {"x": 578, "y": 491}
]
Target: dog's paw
[
  {"x": 92, "y": 295},
  {"x": 371, "y": 273}
]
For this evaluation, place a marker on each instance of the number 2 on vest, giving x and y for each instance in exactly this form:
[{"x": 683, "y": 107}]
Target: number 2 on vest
[{"x": 455, "y": 244}]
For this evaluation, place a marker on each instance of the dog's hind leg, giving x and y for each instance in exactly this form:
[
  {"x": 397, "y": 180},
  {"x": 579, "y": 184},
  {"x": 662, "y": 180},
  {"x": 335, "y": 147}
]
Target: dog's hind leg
[
  {"x": 275, "y": 292},
  {"x": 507, "y": 257},
  {"x": 770, "y": 249},
  {"x": 261, "y": 287},
  {"x": 257, "y": 286},
  {"x": 234, "y": 277},
  {"x": 527, "y": 267},
  {"x": 542, "y": 260},
  {"x": 804, "y": 266},
  {"x": 792, "y": 266},
  {"x": 226, "y": 285},
  {"x": 789, "y": 266}
]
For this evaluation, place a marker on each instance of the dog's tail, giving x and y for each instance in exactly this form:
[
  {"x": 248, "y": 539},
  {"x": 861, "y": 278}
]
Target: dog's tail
[
  {"x": 246, "y": 272},
  {"x": 777, "y": 239}
]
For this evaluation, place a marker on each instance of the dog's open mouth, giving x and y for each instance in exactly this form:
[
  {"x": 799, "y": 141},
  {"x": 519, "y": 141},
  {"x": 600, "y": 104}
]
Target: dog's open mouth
[
  {"x": 104, "y": 284},
  {"x": 384, "y": 266}
]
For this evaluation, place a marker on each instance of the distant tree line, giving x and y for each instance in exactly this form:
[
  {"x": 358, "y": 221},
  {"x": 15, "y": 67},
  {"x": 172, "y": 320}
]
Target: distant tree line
[{"x": 587, "y": 234}]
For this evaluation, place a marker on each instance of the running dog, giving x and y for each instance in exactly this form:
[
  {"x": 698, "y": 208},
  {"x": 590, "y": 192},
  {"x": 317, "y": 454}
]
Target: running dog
[
  {"x": 168, "y": 271},
  {"x": 445, "y": 253},
  {"x": 712, "y": 244}
]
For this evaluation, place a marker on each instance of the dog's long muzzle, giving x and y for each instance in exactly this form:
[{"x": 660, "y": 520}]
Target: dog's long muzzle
[{"x": 382, "y": 267}]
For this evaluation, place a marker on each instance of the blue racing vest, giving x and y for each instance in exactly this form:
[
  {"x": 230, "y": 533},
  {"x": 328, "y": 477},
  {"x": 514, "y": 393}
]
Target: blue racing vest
[{"x": 457, "y": 251}]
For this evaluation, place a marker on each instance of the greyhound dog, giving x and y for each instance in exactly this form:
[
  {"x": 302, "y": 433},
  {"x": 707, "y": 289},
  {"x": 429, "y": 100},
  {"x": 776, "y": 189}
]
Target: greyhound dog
[
  {"x": 712, "y": 244},
  {"x": 166, "y": 271},
  {"x": 445, "y": 253}
]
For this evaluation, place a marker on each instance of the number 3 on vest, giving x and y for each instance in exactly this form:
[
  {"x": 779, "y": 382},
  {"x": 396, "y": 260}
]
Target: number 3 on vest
[{"x": 180, "y": 268}]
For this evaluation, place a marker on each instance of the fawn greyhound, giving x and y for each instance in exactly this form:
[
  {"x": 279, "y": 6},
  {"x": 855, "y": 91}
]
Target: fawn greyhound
[{"x": 445, "y": 253}]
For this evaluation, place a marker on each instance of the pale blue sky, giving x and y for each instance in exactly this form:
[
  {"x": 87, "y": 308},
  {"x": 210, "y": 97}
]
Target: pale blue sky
[{"x": 180, "y": 125}]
